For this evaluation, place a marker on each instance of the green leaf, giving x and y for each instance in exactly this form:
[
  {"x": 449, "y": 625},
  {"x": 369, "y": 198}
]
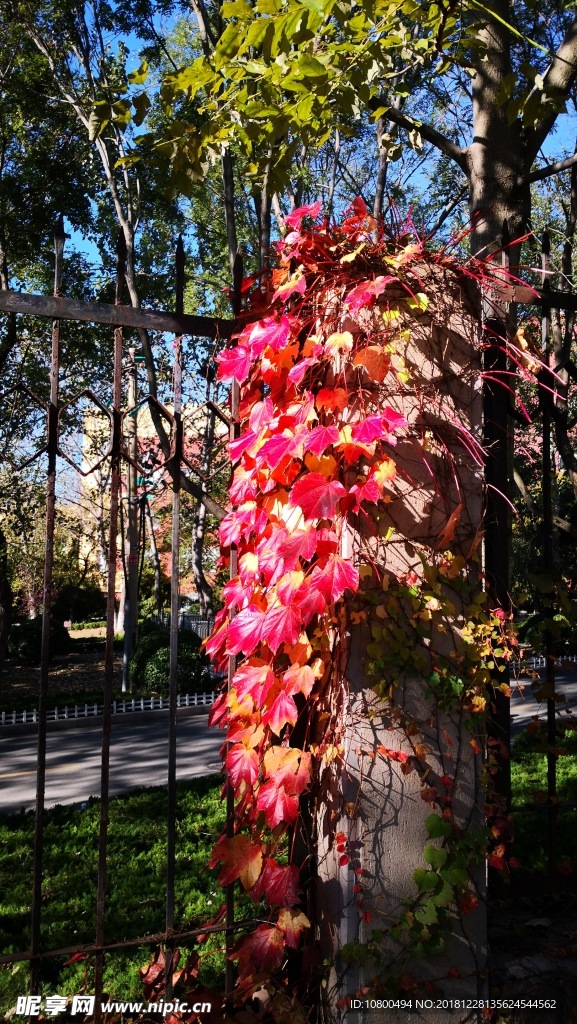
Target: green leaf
[
  {"x": 139, "y": 77},
  {"x": 227, "y": 45},
  {"x": 445, "y": 896},
  {"x": 237, "y": 9},
  {"x": 455, "y": 875},
  {"x": 436, "y": 827},
  {"x": 424, "y": 879},
  {"x": 142, "y": 105},
  {"x": 434, "y": 856},
  {"x": 255, "y": 35},
  {"x": 100, "y": 115},
  {"x": 310, "y": 66},
  {"x": 427, "y": 914}
]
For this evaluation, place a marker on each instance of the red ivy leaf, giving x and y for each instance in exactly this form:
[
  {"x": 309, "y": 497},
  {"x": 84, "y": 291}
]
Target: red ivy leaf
[
  {"x": 299, "y": 679},
  {"x": 282, "y": 711},
  {"x": 263, "y": 950},
  {"x": 311, "y": 603},
  {"x": 448, "y": 532},
  {"x": 296, "y": 217},
  {"x": 370, "y": 429},
  {"x": 293, "y": 923},
  {"x": 254, "y": 678},
  {"x": 394, "y": 755},
  {"x": 367, "y": 291},
  {"x": 296, "y": 283},
  {"x": 237, "y": 448},
  {"x": 280, "y": 625},
  {"x": 278, "y": 884},
  {"x": 317, "y": 497},
  {"x": 269, "y": 331},
  {"x": 375, "y": 360},
  {"x": 278, "y": 447},
  {"x": 234, "y": 362},
  {"x": 276, "y": 804},
  {"x": 300, "y": 544},
  {"x": 394, "y": 420},
  {"x": 288, "y": 767},
  {"x": 320, "y": 438},
  {"x": 242, "y": 765},
  {"x": 337, "y": 575},
  {"x": 244, "y": 632}
]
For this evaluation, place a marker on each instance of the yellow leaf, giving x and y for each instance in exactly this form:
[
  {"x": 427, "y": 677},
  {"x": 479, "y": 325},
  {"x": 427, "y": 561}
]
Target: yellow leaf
[
  {"x": 339, "y": 342},
  {"x": 384, "y": 471},
  {"x": 350, "y": 256}
]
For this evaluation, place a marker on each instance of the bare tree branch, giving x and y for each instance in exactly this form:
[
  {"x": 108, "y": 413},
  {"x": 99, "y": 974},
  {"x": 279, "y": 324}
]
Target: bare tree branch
[
  {"x": 550, "y": 169},
  {"x": 427, "y": 132},
  {"x": 561, "y": 75}
]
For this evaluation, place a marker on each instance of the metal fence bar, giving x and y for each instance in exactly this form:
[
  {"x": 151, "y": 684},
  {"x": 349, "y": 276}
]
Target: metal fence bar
[
  {"x": 175, "y": 470},
  {"x": 52, "y": 448},
  {"x": 496, "y": 401},
  {"x": 234, "y": 432},
  {"x": 546, "y": 402},
  {"x": 117, "y": 315},
  {"x": 109, "y": 654}
]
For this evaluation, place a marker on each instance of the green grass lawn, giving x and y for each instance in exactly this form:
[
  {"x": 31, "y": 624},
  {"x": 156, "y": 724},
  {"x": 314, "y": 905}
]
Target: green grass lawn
[
  {"x": 529, "y": 785},
  {"x": 135, "y": 891}
]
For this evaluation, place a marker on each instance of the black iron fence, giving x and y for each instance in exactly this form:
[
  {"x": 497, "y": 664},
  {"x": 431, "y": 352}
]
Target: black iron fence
[
  {"x": 120, "y": 457},
  {"x": 119, "y": 461}
]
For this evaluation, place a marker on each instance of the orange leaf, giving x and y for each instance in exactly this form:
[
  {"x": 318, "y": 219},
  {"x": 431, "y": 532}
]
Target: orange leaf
[
  {"x": 332, "y": 398},
  {"x": 446, "y": 535},
  {"x": 375, "y": 360},
  {"x": 289, "y": 767},
  {"x": 241, "y": 859}
]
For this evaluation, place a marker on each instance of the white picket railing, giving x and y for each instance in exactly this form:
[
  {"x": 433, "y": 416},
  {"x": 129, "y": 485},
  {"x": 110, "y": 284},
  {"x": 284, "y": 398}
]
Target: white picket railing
[
  {"x": 187, "y": 700},
  {"x": 539, "y": 661}
]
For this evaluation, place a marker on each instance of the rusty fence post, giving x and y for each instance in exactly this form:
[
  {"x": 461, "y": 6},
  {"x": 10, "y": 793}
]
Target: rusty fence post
[
  {"x": 109, "y": 654},
  {"x": 52, "y": 450},
  {"x": 546, "y": 399},
  {"x": 175, "y": 470}
]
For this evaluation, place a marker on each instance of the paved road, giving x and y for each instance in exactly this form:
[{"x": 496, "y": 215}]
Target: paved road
[
  {"x": 139, "y": 749},
  {"x": 138, "y": 757},
  {"x": 524, "y": 706}
]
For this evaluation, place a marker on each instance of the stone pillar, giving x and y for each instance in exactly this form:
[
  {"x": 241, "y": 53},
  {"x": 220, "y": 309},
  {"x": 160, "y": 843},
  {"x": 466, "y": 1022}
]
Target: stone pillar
[{"x": 435, "y": 503}]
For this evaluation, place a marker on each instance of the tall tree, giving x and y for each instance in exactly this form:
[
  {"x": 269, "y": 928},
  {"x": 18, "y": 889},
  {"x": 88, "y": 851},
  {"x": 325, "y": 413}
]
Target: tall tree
[{"x": 290, "y": 73}]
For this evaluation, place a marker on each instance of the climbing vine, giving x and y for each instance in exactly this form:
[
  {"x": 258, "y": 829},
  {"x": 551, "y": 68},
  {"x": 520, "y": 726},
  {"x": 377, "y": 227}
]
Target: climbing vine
[{"x": 355, "y": 526}]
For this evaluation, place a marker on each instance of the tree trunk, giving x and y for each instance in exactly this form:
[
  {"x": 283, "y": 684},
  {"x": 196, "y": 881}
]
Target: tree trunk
[
  {"x": 155, "y": 558},
  {"x": 6, "y": 599},
  {"x": 496, "y": 158},
  {"x": 202, "y": 585}
]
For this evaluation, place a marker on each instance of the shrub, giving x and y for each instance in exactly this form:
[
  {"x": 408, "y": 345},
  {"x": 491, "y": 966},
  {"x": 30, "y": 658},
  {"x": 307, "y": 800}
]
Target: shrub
[
  {"x": 150, "y": 664},
  {"x": 25, "y": 642},
  {"x": 96, "y": 624}
]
